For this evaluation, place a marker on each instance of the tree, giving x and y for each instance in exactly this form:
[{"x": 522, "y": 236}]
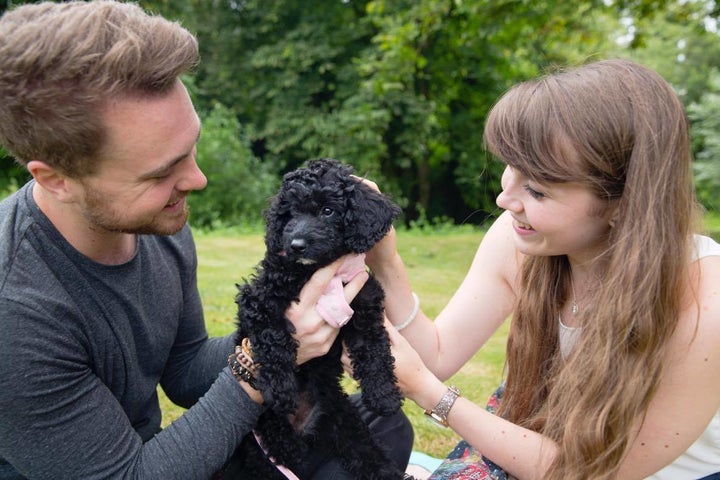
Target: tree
[
  {"x": 238, "y": 184},
  {"x": 400, "y": 88},
  {"x": 397, "y": 88},
  {"x": 677, "y": 43},
  {"x": 705, "y": 117},
  {"x": 12, "y": 175}
]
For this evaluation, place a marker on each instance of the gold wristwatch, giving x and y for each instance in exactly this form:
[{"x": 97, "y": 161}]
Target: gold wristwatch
[{"x": 440, "y": 412}]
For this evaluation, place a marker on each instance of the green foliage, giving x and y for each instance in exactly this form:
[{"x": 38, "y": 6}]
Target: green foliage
[
  {"x": 400, "y": 89},
  {"x": 675, "y": 42},
  {"x": 705, "y": 117},
  {"x": 712, "y": 224},
  {"x": 238, "y": 183},
  {"x": 7, "y": 188},
  {"x": 12, "y": 175}
]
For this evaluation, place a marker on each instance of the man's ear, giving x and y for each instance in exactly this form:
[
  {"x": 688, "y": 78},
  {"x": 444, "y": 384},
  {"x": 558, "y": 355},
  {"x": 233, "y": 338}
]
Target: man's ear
[{"x": 51, "y": 180}]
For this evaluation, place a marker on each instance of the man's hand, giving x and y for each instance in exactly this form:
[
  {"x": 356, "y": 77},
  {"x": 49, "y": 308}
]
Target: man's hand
[{"x": 314, "y": 335}]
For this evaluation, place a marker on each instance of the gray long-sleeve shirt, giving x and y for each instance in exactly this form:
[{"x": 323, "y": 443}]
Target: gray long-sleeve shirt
[{"x": 83, "y": 347}]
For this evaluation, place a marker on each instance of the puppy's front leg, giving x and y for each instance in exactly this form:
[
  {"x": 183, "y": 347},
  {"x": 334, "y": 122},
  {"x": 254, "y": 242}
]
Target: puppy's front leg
[
  {"x": 373, "y": 364},
  {"x": 273, "y": 347},
  {"x": 276, "y": 352}
]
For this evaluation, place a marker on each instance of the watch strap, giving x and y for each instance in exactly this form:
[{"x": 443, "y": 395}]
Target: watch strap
[{"x": 440, "y": 412}]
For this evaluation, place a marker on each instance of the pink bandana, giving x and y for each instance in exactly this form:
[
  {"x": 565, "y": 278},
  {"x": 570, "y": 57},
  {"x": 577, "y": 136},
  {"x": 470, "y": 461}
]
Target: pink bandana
[
  {"x": 283, "y": 469},
  {"x": 332, "y": 305}
]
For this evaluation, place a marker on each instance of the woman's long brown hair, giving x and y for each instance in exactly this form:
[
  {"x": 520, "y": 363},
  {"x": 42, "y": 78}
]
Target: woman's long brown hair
[{"x": 629, "y": 135}]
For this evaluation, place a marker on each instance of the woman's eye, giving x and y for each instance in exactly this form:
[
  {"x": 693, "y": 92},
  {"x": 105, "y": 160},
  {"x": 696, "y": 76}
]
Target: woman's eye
[
  {"x": 326, "y": 211},
  {"x": 532, "y": 192}
]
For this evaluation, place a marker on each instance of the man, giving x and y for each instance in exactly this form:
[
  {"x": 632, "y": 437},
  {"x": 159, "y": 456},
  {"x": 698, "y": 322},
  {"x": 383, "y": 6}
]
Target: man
[{"x": 98, "y": 297}]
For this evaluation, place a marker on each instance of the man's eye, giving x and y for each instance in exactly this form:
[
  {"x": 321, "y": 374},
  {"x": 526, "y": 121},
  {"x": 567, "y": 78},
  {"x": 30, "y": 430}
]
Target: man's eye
[
  {"x": 326, "y": 211},
  {"x": 532, "y": 192}
]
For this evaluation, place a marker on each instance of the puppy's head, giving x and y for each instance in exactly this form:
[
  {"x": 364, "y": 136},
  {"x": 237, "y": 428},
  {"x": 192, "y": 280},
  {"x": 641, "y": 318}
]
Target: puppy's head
[{"x": 322, "y": 213}]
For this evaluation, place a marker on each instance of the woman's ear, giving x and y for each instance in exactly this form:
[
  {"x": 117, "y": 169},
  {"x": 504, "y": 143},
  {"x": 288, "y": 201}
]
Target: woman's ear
[
  {"x": 51, "y": 180},
  {"x": 612, "y": 215}
]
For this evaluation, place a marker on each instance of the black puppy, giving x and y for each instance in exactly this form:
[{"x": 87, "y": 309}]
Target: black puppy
[{"x": 320, "y": 214}]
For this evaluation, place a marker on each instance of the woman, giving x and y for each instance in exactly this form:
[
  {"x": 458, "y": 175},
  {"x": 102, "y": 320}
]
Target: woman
[{"x": 612, "y": 359}]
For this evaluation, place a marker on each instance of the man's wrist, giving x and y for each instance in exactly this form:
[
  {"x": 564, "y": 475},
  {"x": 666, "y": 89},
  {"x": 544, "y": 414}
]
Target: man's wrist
[
  {"x": 242, "y": 365},
  {"x": 254, "y": 395},
  {"x": 245, "y": 370}
]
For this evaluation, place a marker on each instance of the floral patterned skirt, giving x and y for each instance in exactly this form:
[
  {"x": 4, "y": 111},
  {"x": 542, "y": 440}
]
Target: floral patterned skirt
[{"x": 466, "y": 463}]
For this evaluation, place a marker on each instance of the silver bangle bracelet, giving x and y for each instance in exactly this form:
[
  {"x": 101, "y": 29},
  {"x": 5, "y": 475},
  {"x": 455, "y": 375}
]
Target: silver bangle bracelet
[{"x": 413, "y": 314}]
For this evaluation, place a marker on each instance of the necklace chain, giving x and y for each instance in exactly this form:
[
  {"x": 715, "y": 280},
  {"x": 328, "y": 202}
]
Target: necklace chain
[{"x": 574, "y": 300}]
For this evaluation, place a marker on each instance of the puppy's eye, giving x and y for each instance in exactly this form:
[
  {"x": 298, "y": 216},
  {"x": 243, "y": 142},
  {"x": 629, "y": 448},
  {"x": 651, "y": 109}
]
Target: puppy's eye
[{"x": 326, "y": 211}]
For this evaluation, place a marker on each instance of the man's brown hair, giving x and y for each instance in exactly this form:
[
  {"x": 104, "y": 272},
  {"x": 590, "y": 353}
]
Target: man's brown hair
[{"x": 60, "y": 63}]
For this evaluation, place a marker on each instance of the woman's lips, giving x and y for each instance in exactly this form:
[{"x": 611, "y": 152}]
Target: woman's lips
[{"x": 522, "y": 228}]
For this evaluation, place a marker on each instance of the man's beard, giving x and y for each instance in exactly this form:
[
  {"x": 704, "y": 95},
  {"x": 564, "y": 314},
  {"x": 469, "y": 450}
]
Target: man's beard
[{"x": 101, "y": 216}]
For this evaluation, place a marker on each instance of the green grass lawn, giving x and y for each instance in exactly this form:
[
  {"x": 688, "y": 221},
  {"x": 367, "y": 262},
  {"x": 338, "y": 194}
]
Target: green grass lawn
[
  {"x": 436, "y": 263},
  {"x": 712, "y": 225}
]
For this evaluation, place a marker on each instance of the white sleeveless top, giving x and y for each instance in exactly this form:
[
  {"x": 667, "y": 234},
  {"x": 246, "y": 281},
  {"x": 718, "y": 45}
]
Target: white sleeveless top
[{"x": 703, "y": 456}]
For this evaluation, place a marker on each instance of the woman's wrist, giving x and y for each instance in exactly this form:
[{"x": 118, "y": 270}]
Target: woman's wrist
[
  {"x": 440, "y": 412},
  {"x": 384, "y": 265},
  {"x": 393, "y": 278},
  {"x": 425, "y": 390},
  {"x": 254, "y": 394},
  {"x": 411, "y": 316}
]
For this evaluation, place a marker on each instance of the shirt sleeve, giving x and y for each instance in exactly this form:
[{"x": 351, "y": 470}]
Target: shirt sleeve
[
  {"x": 195, "y": 359},
  {"x": 58, "y": 420}
]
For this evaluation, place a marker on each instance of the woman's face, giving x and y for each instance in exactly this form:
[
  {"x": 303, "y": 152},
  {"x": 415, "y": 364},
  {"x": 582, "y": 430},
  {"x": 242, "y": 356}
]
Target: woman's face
[{"x": 554, "y": 219}]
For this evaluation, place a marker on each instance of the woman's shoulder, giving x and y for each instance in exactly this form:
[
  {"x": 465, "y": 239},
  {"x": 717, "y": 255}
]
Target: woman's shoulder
[
  {"x": 701, "y": 314},
  {"x": 497, "y": 261},
  {"x": 707, "y": 251},
  {"x": 498, "y": 247},
  {"x": 705, "y": 247}
]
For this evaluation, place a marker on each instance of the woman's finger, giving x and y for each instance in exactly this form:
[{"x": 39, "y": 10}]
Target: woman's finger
[
  {"x": 354, "y": 286},
  {"x": 367, "y": 182}
]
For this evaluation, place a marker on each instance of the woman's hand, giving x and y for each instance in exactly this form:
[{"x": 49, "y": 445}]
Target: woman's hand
[
  {"x": 386, "y": 249},
  {"x": 384, "y": 252},
  {"x": 413, "y": 377},
  {"x": 314, "y": 335}
]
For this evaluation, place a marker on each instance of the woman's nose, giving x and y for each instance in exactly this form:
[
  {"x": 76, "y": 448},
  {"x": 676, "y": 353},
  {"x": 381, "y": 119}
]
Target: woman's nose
[{"x": 507, "y": 199}]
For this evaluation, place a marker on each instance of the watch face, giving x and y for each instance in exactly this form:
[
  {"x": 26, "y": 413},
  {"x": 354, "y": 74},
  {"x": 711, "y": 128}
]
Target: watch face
[{"x": 436, "y": 419}]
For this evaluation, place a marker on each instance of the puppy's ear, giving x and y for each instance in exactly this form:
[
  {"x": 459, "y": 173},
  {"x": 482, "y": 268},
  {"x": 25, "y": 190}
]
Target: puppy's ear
[
  {"x": 368, "y": 217},
  {"x": 275, "y": 219}
]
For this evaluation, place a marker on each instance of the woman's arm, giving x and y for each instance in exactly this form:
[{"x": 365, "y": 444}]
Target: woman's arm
[
  {"x": 479, "y": 306},
  {"x": 523, "y": 453}
]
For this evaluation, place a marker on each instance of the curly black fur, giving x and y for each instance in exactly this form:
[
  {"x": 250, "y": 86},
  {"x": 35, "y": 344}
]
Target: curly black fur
[{"x": 319, "y": 214}]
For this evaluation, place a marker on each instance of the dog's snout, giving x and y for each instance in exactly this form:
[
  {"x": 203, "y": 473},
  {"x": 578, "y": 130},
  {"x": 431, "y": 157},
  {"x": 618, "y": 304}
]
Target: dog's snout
[{"x": 298, "y": 245}]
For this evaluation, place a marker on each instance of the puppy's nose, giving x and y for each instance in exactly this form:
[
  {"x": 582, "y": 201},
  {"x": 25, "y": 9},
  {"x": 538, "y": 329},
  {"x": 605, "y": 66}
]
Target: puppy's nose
[{"x": 298, "y": 245}]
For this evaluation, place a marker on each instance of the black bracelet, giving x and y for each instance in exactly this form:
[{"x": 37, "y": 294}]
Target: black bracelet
[{"x": 241, "y": 372}]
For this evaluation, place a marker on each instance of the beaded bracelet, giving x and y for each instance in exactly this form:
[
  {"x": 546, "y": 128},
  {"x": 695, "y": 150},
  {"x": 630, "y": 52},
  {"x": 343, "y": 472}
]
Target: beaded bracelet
[
  {"x": 243, "y": 367},
  {"x": 413, "y": 314}
]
